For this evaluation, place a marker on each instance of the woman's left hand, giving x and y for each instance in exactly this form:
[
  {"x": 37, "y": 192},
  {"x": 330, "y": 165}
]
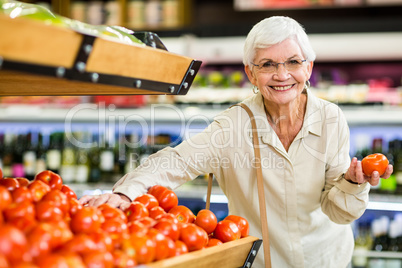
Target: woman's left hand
[{"x": 355, "y": 174}]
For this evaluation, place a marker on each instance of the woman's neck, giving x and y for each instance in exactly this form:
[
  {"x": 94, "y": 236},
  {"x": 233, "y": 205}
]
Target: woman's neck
[
  {"x": 287, "y": 114},
  {"x": 286, "y": 120}
]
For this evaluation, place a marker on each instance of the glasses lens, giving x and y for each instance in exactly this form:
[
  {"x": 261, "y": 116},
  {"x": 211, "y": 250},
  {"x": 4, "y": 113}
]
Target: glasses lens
[
  {"x": 268, "y": 67},
  {"x": 292, "y": 65}
]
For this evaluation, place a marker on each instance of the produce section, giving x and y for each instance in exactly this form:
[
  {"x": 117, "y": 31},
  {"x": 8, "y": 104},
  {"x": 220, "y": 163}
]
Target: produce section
[
  {"x": 43, "y": 224},
  {"x": 372, "y": 108}
]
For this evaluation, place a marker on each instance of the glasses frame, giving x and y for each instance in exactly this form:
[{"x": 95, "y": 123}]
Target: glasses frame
[{"x": 276, "y": 65}]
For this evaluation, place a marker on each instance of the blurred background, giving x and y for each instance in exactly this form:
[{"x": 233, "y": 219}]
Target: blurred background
[{"x": 359, "y": 67}]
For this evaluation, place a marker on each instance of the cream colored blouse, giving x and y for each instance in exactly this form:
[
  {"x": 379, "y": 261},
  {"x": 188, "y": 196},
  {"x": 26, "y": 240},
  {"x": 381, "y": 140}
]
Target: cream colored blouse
[{"x": 309, "y": 204}]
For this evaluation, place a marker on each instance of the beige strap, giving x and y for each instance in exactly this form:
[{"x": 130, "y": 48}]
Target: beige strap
[
  {"x": 209, "y": 190},
  {"x": 260, "y": 186}
]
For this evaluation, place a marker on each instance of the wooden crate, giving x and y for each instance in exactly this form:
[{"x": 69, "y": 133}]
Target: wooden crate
[
  {"x": 228, "y": 255},
  {"x": 39, "y": 59}
]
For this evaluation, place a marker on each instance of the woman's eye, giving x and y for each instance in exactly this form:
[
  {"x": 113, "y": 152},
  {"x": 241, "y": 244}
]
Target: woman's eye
[
  {"x": 268, "y": 64},
  {"x": 293, "y": 62}
]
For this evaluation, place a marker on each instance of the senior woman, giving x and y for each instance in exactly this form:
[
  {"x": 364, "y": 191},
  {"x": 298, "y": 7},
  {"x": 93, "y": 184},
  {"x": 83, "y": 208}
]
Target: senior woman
[{"x": 313, "y": 190}]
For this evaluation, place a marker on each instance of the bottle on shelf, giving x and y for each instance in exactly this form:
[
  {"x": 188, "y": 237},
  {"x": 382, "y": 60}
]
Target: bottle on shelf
[
  {"x": 41, "y": 149},
  {"x": 132, "y": 153},
  {"x": 83, "y": 166},
  {"x": 29, "y": 155},
  {"x": 153, "y": 13},
  {"x": 388, "y": 186},
  {"x": 363, "y": 243},
  {"x": 8, "y": 154},
  {"x": 94, "y": 159},
  {"x": 379, "y": 228},
  {"x": 136, "y": 14},
  {"x": 397, "y": 145},
  {"x": 106, "y": 158},
  {"x": 68, "y": 161},
  {"x": 53, "y": 154},
  {"x": 18, "y": 165}
]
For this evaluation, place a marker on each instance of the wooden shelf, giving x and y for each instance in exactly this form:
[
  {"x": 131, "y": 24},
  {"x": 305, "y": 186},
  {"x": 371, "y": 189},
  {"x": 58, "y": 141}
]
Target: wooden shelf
[
  {"x": 227, "y": 255},
  {"x": 38, "y": 59}
]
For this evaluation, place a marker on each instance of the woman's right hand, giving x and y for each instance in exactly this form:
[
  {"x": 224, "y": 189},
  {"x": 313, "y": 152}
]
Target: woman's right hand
[{"x": 116, "y": 200}]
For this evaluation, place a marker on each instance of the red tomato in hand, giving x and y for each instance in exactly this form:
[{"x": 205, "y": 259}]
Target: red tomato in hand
[
  {"x": 136, "y": 211},
  {"x": 207, "y": 220},
  {"x": 374, "y": 162},
  {"x": 241, "y": 222},
  {"x": 183, "y": 214},
  {"x": 148, "y": 200},
  {"x": 227, "y": 231},
  {"x": 193, "y": 236},
  {"x": 50, "y": 178},
  {"x": 1, "y": 173},
  {"x": 86, "y": 220},
  {"x": 167, "y": 198}
]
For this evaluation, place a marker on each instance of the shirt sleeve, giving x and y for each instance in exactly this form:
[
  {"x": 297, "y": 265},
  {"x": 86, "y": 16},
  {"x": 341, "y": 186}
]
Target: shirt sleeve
[
  {"x": 171, "y": 167},
  {"x": 342, "y": 201}
]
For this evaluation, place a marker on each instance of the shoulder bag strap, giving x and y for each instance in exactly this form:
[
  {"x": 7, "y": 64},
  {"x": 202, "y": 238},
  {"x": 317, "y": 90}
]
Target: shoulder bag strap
[{"x": 260, "y": 186}]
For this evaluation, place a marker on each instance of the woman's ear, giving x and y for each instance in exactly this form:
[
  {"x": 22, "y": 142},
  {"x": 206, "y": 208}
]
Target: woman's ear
[
  {"x": 250, "y": 75},
  {"x": 310, "y": 69}
]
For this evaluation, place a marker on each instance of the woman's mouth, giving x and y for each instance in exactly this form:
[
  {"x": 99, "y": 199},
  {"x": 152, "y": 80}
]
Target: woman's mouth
[{"x": 282, "y": 88}]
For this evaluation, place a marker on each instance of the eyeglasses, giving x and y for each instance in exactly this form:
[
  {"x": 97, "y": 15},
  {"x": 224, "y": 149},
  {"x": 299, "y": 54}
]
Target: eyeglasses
[{"x": 271, "y": 67}]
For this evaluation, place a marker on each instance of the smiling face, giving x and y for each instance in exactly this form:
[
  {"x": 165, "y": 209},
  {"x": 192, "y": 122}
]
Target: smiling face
[{"x": 281, "y": 86}]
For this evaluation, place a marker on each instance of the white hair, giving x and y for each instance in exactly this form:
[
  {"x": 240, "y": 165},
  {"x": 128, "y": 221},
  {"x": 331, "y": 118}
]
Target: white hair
[{"x": 274, "y": 30}]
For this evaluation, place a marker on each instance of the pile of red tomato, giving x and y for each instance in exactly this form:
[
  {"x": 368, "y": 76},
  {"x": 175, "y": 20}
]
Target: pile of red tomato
[{"x": 42, "y": 224}]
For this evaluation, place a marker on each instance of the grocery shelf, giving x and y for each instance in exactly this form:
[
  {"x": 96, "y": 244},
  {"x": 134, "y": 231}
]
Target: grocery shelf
[
  {"x": 385, "y": 202},
  {"x": 378, "y": 254},
  {"x": 167, "y": 113},
  {"x": 336, "y": 47}
]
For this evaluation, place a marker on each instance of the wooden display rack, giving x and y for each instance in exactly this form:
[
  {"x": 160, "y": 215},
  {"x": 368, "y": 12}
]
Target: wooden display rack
[
  {"x": 238, "y": 253},
  {"x": 39, "y": 59}
]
